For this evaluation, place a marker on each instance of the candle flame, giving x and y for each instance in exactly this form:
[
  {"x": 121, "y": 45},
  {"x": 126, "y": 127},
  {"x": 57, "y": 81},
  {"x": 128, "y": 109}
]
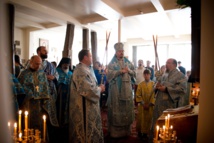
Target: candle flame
[
  {"x": 44, "y": 117},
  {"x": 20, "y": 135},
  {"x": 168, "y": 116},
  {"x": 20, "y": 112},
  {"x": 157, "y": 127},
  {"x": 171, "y": 127},
  {"x": 26, "y": 113},
  {"x": 164, "y": 127},
  {"x": 15, "y": 125},
  {"x": 8, "y": 124}
]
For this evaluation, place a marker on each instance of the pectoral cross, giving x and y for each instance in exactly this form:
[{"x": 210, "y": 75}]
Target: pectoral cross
[{"x": 37, "y": 88}]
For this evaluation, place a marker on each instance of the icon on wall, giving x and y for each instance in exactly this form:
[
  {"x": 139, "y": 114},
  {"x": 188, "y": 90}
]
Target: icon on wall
[
  {"x": 44, "y": 42},
  {"x": 18, "y": 51}
]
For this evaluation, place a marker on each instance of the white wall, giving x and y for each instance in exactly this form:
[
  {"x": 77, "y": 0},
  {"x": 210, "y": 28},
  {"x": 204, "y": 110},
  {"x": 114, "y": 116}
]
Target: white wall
[{"x": 19, "y": 35}]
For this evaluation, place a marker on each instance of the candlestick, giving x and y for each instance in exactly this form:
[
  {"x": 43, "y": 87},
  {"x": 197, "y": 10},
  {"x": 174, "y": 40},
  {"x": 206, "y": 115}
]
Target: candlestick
[
  {"x": 20, "y": 121},
  {"x": 44, "y": 128},
  {"x": 15, "y": 129},
  {"x": 156, "y": 137}
]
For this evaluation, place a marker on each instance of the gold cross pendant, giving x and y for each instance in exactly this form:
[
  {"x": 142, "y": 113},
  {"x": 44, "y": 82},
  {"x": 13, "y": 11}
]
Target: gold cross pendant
[{"x": 37, "y": 88}]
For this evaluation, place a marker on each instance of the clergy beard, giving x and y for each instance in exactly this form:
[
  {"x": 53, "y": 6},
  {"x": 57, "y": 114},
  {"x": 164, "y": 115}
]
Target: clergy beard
[
  {"x": 65, "y": 70},
  {"x": 43, "y": 56}
]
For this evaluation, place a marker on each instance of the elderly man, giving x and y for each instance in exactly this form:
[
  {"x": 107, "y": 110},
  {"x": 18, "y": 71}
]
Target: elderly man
[
  {"x": 35, "y": 84},
  {"x": 85, "y": 124},
  {"x": 171, "y": 91},
  {"x": 121, "y": 74}
]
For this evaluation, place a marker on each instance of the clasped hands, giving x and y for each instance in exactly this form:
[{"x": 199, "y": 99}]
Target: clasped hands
[
  {"x": 124, "y": 70},
  {"x": 160, "y": 87}
]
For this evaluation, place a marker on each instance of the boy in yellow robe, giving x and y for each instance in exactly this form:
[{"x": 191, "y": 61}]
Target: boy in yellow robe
[{"x": 145, "y": 99}]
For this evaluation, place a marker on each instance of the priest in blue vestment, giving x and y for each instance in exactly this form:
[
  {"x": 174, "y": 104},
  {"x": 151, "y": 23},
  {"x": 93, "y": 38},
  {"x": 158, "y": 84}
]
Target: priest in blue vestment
[{"x": 36, "y": 87}]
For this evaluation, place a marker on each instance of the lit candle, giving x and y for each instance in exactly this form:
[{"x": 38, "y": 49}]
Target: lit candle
[
  {"x": 20, "y": 136},
  {"x": 197, "y": 91},
  {"x": 168, "y": 120},
  {"x": 164, "y": 127},
  {"x": 26, "y": 123},
  {"x": 9, "y": 127},
  {"x": 156, "y": 138},
  {"x": 193, "y": 92},
  {"x": 15, "y": 129},
  {"x": 26, "y": 120},
  {"x": 44, "y": 128},
  {"x": 20, "y": 120}
]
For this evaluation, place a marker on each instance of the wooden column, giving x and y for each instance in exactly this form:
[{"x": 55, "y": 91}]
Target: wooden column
[
  {"x": 94, "y": 46},
  {"x": 67, "y": 52},
  {"x": 196, "y": 42},
  {"x": 119, "y": 30},
  {"x": 10, "y": 12},
  {"x": 134, "y": 56},
  {"x": 85, "y": 39}
]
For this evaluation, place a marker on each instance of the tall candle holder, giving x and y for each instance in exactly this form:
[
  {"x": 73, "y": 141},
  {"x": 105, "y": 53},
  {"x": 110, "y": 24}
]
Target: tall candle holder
[
  {"x": 27, "y": 135},
  {"x": 166, "y": 134}
]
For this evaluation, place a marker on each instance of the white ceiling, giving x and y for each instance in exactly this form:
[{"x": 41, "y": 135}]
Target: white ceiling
[{"x": 139, "y": 18}]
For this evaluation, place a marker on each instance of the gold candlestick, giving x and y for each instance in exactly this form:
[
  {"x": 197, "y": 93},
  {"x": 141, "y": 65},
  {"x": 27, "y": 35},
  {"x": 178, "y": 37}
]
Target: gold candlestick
[{"x": 20, "y": 121}]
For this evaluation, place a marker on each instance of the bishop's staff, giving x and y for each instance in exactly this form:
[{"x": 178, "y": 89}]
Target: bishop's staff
[
  {"x": 105, "y": 55},
  {"x": 157, "y": 64}
]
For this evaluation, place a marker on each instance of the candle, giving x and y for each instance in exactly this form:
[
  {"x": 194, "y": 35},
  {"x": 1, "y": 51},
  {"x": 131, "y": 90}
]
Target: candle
[
  {"x": 20, "y": 120},
  {"x": 20, "y": 136},
  {"x": 26, "y": 123},
  {"x": 197, "y": 91},
  {"x": 193, "y": 92},
  {"x": 26, "y": 120},
  {"x": 156, "y": 137},
  {"x": 15, "y": 129},
  {"x": 9, "y": 127},
  {"x": 171, "y": 127},
  {"x": 44, "y": 128},
  {"x": 168, "y": 120}
]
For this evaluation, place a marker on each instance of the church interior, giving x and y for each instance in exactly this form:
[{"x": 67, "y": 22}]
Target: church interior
[{"x": 68, "y": 26}]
